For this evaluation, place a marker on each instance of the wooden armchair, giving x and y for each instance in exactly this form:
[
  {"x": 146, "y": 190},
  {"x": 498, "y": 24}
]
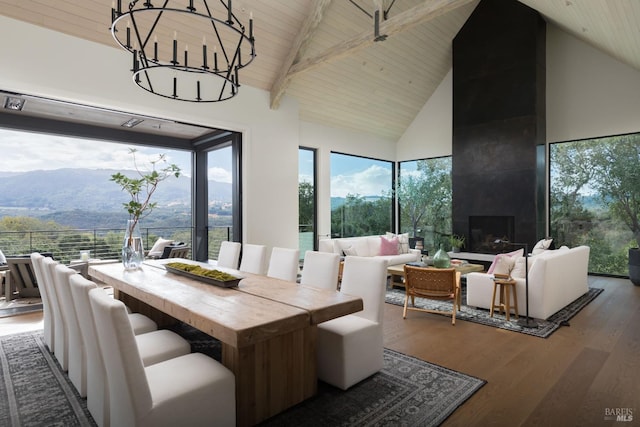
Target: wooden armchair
[
  {"x": 20, "y": 278},
  {"x": 432, "y": 283}
]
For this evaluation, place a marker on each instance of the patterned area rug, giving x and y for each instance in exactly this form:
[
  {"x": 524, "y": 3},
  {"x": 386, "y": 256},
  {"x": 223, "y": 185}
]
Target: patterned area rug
[
  {"x": 478, "y": 315},
  {"x": 19, "y": 306},
  {"x": 408, "y": 391},
  {"x": 34, "y": 391}
]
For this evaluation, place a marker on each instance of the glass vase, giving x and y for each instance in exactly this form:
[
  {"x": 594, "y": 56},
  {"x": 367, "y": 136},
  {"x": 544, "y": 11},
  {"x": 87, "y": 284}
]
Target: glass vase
[
  {"x": 441, "y": 259},
  {"x": 132, "y": 247}
]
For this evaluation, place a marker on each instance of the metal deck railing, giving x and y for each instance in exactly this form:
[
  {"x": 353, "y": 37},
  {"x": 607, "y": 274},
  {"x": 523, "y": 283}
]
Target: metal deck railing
[{"x": 104, "y": 243}]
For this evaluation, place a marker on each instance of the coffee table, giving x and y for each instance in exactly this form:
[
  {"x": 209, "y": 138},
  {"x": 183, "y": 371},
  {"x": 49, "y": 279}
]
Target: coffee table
[{"x": 397, "y": 272}]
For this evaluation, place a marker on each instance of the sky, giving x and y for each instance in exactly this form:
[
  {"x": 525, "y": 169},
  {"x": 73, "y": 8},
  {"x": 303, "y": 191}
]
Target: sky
[
  {"x": 359, "y": 175},
  {"x": 350, "y": 174},
  {"x": 24, "y": 151}
]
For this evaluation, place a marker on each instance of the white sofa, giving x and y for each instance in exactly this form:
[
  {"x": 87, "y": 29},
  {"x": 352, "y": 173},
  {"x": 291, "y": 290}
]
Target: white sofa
[
  {"x": 366, "y": 246},
  {"x": 556, "y": 278}
]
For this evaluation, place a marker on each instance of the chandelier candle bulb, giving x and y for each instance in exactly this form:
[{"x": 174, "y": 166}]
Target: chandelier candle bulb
[
  {"x": 251, "y": 25},
  {"x": 204, "y": 54},
  {"x": 128, "y": 34},
  {"x": 155, "y": 48},
  {"x": 175, "y": 49},
  {"x": 186, "y": 53}
]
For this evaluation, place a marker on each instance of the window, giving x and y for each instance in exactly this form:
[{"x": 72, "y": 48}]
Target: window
[
  {"x": 306, "y": 200},
  {"x": 424, "y": 198},
  {"x": 361, "y": 196},
  {"x": 186, "y": 142},
  {"x": 595, "y": 198},
  {"x": 57, "y": 195},
  {"x": 220, "y": 200}
]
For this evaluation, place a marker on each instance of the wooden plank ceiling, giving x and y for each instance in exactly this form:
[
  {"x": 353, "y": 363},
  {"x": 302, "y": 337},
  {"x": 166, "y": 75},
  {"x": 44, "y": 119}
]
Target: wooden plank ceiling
[{"x": 322, "y": 53}]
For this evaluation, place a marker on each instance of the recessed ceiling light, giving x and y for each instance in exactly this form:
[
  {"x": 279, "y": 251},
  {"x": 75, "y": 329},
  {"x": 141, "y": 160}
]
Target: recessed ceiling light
[
  {"x": 132, "y": 122},
  {"x": 14, "y": 103}
]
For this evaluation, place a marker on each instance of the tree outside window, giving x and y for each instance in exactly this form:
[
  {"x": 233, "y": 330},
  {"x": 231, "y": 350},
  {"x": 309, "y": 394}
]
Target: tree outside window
[
  {"x": 424, "y": 196},
  {"x": 595, "y": 198}
]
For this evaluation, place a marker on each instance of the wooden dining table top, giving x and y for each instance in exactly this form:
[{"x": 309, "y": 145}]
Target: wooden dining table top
[{"x": 259, "y": 308}]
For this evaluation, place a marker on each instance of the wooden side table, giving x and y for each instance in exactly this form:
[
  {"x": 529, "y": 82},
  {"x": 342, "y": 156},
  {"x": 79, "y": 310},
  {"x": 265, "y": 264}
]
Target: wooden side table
[
  {"x": 506, "y": 286},
  {"x": 340, "y": 271}
]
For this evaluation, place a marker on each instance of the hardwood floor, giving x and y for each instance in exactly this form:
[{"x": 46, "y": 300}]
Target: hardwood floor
[
  {"x": 568, "y": 379},
  {"x": 21, "y": 323}
]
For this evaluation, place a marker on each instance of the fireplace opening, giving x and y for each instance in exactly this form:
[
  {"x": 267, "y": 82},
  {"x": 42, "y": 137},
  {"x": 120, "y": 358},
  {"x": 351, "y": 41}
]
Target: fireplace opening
[{"x": 485, "y": 230}]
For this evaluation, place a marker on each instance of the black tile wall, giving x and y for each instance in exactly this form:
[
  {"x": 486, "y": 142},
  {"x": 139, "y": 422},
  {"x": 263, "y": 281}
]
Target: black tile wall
[{"x": 498, "y": 116}]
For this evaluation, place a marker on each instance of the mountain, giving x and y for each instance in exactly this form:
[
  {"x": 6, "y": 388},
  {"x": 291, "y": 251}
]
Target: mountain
[{"x": 90, "y": 190}]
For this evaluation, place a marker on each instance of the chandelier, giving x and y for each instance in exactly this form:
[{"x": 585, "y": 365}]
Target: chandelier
[{"x": 184, "y": 50}]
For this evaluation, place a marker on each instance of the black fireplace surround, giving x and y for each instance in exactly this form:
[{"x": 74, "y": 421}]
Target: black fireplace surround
[{"x": 498, "y": 176}]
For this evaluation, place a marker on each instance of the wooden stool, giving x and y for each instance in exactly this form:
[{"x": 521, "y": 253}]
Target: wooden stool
[{"x": 506, "y": 286}]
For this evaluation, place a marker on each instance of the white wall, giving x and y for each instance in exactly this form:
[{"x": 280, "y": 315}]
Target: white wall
[
  {"x": 589, "y": 94},
  {"x": 41, "y": 62},
  {"x": 431, "y": 133}
]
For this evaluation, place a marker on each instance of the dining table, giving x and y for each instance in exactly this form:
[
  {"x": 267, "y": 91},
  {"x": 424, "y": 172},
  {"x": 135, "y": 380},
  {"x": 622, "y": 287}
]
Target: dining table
[{"x": 267, "y": 327}]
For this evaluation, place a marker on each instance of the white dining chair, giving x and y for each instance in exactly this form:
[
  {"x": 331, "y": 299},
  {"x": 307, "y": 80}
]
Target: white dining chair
[
  {"x": 253, "y": 258},
  {"x": 76, "y": 353},
  {"x": 190, "y": 390},
  {"x": 44, "y": 284},
  {"x": 320, "y": 269},
  {"x": 350, "y": 348},
  {"x": 142, "y": 324},
  {"x": 60, "y": 342},
  {"x": 154, "y": 347},
  {"x": 228, "y": 256},
  {"x": 283, "y": 264}
]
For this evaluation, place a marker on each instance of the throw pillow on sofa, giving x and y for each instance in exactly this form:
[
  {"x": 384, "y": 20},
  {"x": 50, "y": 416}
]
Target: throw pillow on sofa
[
  {"x": 541, "y": 246},
  {"x": 350, "y": 251},
  {"x": 403, "y": 241},
  {"x": 355, "y": 247},
  {"x": 388, "y": 246},
  {"x": 514, "y": 255}
]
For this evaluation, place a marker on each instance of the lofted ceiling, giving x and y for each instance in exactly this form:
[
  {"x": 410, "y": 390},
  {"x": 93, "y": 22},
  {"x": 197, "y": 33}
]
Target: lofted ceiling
[{"x": 322, "y": 52}]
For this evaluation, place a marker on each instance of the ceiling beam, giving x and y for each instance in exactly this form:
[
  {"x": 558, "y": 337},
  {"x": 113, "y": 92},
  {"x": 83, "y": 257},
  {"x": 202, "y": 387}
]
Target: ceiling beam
[
  {"x": 298, "y": 49},
  {"x": 428, "y": 10}
]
